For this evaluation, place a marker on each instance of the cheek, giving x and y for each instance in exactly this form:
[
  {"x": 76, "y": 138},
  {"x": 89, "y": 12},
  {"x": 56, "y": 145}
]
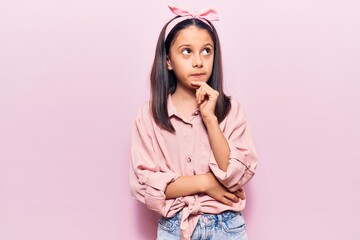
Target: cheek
[
  {"x": 210, "y": 63},
  {"x": 210, "y": 59},
  {"x": 182, "y": 65}
]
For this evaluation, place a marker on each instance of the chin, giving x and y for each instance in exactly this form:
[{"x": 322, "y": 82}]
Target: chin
[{"x": 201, "y": 79}]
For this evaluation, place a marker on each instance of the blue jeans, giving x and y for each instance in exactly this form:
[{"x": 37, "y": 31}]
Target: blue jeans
[{"x": 227, "y": 225}]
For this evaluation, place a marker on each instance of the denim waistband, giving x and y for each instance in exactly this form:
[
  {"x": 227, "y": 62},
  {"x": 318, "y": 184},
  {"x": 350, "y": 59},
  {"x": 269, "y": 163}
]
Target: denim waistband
[
  {"x": 211, "y": 218},
  {"x": 217, "y": 219}
]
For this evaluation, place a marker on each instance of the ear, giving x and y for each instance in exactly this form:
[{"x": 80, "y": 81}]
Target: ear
[{"x": 168, "y": 63}]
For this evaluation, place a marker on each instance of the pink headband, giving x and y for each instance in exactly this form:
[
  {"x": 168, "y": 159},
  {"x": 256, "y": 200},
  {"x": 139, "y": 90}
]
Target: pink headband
[{"x": 205, "y": 16}]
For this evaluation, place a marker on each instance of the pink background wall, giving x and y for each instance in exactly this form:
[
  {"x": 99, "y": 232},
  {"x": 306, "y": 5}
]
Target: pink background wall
[{"x": 73, "y": 73}]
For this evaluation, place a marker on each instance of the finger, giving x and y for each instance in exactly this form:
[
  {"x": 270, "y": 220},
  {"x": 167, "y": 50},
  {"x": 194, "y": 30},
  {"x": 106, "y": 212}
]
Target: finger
[
  {"x": 197, "y": 94},
  {"x": 227, "y": 201},
  {"x": 197, "y": 83},
  {"x": 200, "y": 97},
  {"x": 241, "y": 194},
  {"x": 232, "y": 197},
  {"x": 202, "y": 94},
  {"x": 212, "y": 94}
]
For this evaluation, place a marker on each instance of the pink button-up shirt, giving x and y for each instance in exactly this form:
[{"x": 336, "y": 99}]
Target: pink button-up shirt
[{"x": 160, "y": 157}]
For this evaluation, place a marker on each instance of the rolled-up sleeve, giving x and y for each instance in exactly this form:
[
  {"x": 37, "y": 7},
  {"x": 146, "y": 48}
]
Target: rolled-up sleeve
[
  {"x": 149, "y": 176},
  {"x": 243, "y": 159}
]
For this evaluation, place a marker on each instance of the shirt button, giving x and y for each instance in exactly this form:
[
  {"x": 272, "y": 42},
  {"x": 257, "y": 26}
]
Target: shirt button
[
  {"x": 189, "y": 159},
  {"x": 205, "y": 220}
]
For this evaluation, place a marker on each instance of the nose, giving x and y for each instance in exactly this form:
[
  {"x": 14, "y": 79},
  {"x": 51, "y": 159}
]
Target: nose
[{"x": 197, "y": 61}]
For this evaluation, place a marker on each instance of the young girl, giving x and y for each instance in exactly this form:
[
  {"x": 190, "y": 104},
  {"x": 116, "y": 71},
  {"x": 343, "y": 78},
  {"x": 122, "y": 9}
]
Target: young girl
[{"x": 192, "y": 150}]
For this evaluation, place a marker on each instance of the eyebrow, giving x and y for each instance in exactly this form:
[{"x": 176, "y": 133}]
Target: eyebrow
[
  {"x": 189, "y": 45},
  {"x": 184, "y": 45}
]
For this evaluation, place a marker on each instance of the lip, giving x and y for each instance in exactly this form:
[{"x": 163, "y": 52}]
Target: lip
[{"x": 197, "y": 75}]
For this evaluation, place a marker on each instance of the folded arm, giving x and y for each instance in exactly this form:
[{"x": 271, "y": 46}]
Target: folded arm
[{"x": 234, "y": 157}]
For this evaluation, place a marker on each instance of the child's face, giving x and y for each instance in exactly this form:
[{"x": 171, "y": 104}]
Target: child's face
[{"x": 191, "y": 56}]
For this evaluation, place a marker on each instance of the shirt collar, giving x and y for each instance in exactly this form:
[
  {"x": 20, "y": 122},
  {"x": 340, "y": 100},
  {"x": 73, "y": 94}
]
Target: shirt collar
[{"x": 172, "y": 109}]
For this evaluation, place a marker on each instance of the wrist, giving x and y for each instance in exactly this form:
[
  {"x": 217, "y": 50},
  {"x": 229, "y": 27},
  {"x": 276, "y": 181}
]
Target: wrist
[
  {"x": 203, "y": 182},
  {"x": 210, "y": 120}
]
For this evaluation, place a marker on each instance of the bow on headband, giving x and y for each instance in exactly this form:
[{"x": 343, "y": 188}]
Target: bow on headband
[{"x": 205, "y": 16}]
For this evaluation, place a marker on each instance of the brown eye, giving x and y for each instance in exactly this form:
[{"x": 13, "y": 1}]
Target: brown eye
[
  {"x": 186, "y": 51},
  {"x": 206, "y": 51}
]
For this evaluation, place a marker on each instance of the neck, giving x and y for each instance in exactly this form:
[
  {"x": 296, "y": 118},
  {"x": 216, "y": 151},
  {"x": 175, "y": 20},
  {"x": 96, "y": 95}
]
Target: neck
[
  {"x": 184, "y": 93},
  {"x": 184, "y": 101}
]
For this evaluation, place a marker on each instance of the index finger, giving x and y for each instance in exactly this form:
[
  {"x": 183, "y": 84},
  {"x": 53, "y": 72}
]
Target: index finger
[{"x": 197, "y": 83}]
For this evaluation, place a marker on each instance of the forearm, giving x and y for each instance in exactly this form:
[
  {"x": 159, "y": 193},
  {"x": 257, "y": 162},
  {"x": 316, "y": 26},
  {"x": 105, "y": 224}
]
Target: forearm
[
  {"x": 186, "y": 186},
  {"x": 218, "y": 143}
]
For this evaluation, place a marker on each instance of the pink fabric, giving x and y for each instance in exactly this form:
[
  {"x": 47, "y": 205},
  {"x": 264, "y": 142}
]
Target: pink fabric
[
  {"x": 160, "y": 157},
  {"x": 206, "y": 15}
]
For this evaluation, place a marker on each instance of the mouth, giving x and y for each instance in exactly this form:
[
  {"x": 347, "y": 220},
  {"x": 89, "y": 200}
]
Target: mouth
[{"x": 197, "y": 75}]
